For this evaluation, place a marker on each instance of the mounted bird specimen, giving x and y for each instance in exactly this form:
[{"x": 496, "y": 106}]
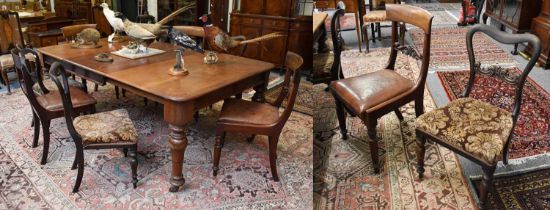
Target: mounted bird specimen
[
  {"x": 183, "y": 40},
  {"x": 116, "y": 23},
  {"x": 221, "y": 42},
  {"x": 145, "y": 31}
]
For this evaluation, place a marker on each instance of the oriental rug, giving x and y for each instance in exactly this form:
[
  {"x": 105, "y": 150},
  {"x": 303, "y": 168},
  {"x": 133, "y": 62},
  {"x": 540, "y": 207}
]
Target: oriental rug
[
  {"x": 244, "y": 181},
  {"x": 441, "y": 18},
  {"x": 448, "y": 49},
  {"x": 532, "y": 132},
  {"x": 437, "y": 6},
  {"x": 343, "y": 176},
  {"x": 523, "y": 191}
]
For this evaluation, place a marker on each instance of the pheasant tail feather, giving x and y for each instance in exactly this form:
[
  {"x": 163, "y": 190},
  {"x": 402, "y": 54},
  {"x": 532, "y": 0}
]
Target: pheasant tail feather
[
  {"x": 176, "y": 13},
  {"x": 263, "y": 38}
]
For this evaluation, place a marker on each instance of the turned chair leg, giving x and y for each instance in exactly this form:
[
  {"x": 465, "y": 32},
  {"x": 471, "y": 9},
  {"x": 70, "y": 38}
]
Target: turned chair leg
[
  {"x": 125, "y": 151},
  {"x": 220, "y": 138},
  {"x": 117, "y": 92},
  {"x": 419, "y": 106},
  {"x": 273, "y": 141},
  {"x": 6, "y": 80},
  {"x": 134, "y": 165},
  {"x": 421, "y": 142},
  {"x": 36, "y": 123},
  {"x": 486, "y": 185},
  {"x": 196, "y": 116},
  {"x": 341, "y": 113},
  {"x": 46, "y": 137},
  {"x": 123, "y": 92},
  {"x": 96, "y": 87},
  {"x": 373, "y": 143},
  {"x": 80, "y": 174},
  {"x": 250, "y": 139},
  {"x": 366, "y": 36},
  {"x": 399, "y": 114},
  {"x": 373, "y": 34}
]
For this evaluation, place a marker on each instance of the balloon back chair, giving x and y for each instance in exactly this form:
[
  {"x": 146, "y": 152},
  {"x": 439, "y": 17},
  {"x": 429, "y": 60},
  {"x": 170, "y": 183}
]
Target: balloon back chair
[
  {"x": 104, "y": 130},
  {"x": 373, "y": 95},
  {"x": 477, "y": 130}
]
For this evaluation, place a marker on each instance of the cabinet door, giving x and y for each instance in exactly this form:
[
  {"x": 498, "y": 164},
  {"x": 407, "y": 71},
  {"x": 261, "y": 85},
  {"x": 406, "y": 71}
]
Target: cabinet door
[
  {"x": 273, "y": 50},
  {"x": 252, "y": 6},
  {"x": 252, "y": 50},
  {"x": 278, "y": 8}
]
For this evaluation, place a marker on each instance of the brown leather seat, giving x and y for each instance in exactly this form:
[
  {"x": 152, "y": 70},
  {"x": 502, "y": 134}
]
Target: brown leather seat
[
  {"x": 52, "y": 101},
  {"x": 368, "y": 90},
  {"x": 248, "y": 112}
]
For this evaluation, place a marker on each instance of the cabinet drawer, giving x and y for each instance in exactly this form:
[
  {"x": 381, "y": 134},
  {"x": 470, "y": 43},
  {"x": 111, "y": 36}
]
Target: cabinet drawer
[
  {"x": 276, "y": 23},
  {"x": 48, "y": 41},
  {"x": 323, "y": 4},
  {"x": 251, "y": 21}
]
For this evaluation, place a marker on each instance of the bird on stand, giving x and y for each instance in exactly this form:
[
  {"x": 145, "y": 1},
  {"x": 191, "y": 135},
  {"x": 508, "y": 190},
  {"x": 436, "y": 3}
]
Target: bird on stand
[
  {"x": 116, "y": 23},
  {"x": 145, "y": 33},
  {"x": 220, "y": 41}
]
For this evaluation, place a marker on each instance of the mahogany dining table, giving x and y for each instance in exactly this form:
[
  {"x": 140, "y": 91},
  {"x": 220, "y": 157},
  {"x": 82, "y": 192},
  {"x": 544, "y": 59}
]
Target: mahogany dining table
[{"x": 181, "y": 96}]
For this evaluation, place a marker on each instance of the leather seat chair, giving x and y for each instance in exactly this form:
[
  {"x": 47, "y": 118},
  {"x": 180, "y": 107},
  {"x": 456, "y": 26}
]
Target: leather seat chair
[
  {"x": 477, "y": 130},
  {"x": 259, "y": 118},
  {"x": 373, "y": 95}
]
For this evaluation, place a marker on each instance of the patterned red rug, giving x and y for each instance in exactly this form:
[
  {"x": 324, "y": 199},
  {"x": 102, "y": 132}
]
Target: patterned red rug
[
  {"x": 523, "y": 191},
  {"x": 448, "y": 49},
  {"x": 244, "y": 181},
  {"x": 532, "y": 132}
]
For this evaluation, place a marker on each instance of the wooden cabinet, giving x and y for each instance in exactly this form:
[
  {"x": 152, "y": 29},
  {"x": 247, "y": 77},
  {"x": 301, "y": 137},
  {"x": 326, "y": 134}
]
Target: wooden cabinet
[
  {"x": 73, "y": 9},
  {"x": 260, "y": 17},
  {"x": 514, "y": 14},
  {"x": 541, "y": 28}
]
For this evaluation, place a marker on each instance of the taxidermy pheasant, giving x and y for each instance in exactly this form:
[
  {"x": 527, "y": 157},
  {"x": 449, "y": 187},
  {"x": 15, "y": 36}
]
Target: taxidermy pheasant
[
  {"x": 145, "y": 31},
  {"x": 222, "y": 42}
]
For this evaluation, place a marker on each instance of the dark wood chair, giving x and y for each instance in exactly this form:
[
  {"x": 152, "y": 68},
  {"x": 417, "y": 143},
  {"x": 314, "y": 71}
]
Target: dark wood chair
[
  {"x": 258, "y": 118},
  {"x": 104, "y": 130},
  {"x": 338, "y": 42},
  {"x": 70, "y": 32},
  {"x": 477, "y": 130},
  {"x": 103, "y": 25},
  {"x": 373, "y": 95},
  {"x": 11, "y": 37},
  {"x": 48, "y": 105}
]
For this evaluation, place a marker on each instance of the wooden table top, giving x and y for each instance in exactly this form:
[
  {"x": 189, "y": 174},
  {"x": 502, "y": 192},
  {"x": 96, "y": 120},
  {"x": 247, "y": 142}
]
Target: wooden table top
[
  {"x": 150, "y": 74},
  {"x": 318, "y": 19}
]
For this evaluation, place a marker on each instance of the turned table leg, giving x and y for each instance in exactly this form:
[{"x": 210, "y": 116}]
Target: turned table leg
[
  {"x": 259, "y": 95},
  {"x": 178, "y": 143}
]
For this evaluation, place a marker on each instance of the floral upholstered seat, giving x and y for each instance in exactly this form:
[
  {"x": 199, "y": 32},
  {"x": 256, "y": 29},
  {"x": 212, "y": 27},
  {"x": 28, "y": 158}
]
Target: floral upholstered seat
[
  {"x": 472, "y": 126},
  {"x": 106, "y": 127},
  {"x": 375, "y": 16}
]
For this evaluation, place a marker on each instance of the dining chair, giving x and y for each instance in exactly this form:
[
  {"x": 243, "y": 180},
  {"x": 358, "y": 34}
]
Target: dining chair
[
  {"x": 338, "y": 42},
  {"x": 70, "y": 32},
  {"x": 375, "y": 16},
  {"x": 47, "y": 105},
  {"x": 11, "y": 37},
  {"x": 373, "y": 95},
  {"x": 250, "y": 117},
  {"x": 477, "y": 130},
  {"x": 102, "y": 24},
  {"x": 104, "y": 130}
]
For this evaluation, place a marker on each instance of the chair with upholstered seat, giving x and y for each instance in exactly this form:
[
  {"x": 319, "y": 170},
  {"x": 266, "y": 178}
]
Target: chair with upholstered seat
[
  {"x": 259, "y": 118},
  {"x": 104, "y": 130},
  {"x": 11, "y": 36},
  {"x": 375, "y": 16},
  {"x": 373, "y": 95},
  {"x": 47, "y": 105},
  {"x": 70, "y": 32},
  {"x": 477, "y": 130}
]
